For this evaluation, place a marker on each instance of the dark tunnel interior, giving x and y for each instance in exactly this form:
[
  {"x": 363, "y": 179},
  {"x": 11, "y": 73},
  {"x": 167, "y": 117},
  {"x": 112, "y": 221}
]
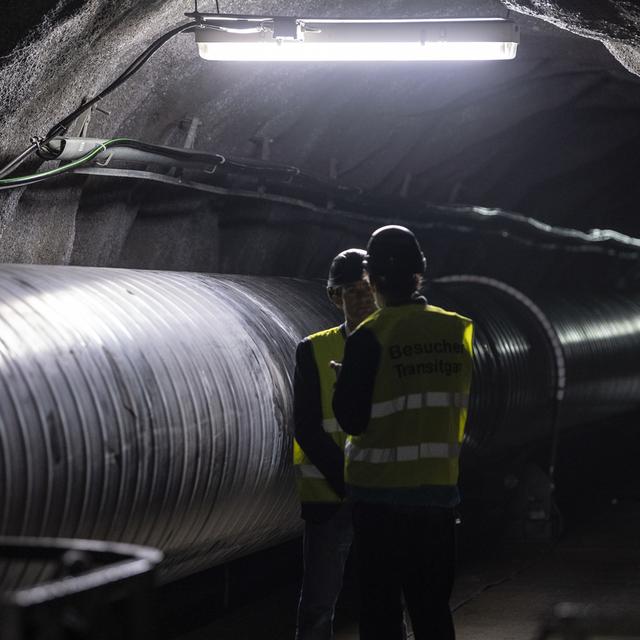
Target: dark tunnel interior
[{"x": 163, "y": 250}]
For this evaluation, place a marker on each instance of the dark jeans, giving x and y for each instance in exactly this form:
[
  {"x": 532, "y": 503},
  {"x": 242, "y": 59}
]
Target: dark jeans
[
  {"x": 325, "y": 550},
  {"x": 406, "y": 551}
]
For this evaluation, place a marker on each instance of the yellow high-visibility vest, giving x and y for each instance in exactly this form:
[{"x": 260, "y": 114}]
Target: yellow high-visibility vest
[
  {"x": 420, "y": 399},
  {"x": 312, "y": 485}
]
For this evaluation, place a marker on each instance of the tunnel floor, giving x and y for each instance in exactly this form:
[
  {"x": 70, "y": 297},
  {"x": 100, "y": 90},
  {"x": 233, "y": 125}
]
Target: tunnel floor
[
  {"x": 596, "y": 562},
  {"x": 503, "y": 595}
]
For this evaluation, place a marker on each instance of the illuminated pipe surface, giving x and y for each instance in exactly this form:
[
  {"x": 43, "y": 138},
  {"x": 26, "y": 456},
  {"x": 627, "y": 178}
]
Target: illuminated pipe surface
[
  {"x": 150, "y": 407},
  {"x": 155, "y": 407}
]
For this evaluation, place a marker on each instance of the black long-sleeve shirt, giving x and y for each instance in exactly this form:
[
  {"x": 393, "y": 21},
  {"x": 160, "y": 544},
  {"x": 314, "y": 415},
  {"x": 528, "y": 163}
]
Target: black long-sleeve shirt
[
  {"x": 353, "y": 393},
  {"x": 317, "y": 444}
]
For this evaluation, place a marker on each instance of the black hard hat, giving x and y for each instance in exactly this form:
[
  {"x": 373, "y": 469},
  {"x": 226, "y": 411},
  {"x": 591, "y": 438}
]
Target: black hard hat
[
  {"x": 346, "y": 268},
  {"x": 394, "y": 250}
]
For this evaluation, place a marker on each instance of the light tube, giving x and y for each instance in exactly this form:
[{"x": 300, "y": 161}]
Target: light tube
[{"x": 359, "y": 41}]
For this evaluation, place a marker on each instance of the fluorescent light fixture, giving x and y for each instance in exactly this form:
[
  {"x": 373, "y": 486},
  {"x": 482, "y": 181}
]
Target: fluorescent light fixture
[{"x": 254, "y": 38}]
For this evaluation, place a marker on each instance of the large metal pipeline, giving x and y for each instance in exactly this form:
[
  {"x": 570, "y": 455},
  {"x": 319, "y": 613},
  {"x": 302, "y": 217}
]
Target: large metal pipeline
[
  {"x": 154, "y": 407},
  {"x": 561, "y": 360},
  {"x": 150, "y": 407}
]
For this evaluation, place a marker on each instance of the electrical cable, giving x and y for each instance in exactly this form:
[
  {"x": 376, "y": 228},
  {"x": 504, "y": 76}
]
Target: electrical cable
[
  {"x": 172, "y": 152},
  {"x": 519, "y": 228},
  {"x": 62, "y": 126},
  {"x": 180, "y": 155},
  {"x": 41, "y": 144},
  {"x": 22, "y": 181},
  {"x": 207, "y": 158},
  {"x": 18, "y": 160}
]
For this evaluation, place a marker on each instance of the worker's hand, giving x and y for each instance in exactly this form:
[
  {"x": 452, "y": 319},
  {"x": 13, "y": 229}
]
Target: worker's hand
[{"x": 336, "y": 366}]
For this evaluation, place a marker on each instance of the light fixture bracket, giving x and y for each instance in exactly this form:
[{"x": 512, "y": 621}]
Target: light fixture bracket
[{"x": 288, "y": 29}]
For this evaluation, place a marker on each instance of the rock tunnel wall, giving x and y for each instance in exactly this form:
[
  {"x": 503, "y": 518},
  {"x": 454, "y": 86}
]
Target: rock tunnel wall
[{"x": 549, "y": 135}]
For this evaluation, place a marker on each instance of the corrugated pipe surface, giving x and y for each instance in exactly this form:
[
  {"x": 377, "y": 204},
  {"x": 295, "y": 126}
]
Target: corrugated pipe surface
[
  {"x": 150, "y": 407},
  {"x": 552, "y": 362},
  {"x": 155, "y": 408}
]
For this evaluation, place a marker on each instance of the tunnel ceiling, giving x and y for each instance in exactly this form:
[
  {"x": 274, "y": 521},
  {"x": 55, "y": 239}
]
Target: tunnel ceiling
[{"x": 553, "y": 135}]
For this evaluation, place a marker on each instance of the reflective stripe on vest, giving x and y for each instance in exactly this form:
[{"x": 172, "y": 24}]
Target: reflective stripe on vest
[
  {"x": 420, "y": 400},
  {"x": 405, "y": 453},
  {"x": 455, "y": 399},
  {"x": 309, "y": 471},
  {"x": 330, "y": 425},
  {"x": 312, "y": 485}
]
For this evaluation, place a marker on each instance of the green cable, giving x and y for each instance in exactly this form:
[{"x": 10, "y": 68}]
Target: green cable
[{"x": 58, "y": 170}]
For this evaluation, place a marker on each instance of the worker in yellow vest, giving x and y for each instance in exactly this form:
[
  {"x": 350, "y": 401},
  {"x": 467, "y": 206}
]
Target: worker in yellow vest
[
  {"x": 319, "y": 451},
  {"x": 402, "y": 395}
]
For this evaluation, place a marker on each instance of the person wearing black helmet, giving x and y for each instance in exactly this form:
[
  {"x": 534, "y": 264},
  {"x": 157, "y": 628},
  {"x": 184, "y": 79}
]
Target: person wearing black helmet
[
  {"x": 402, "y": 395},
  {"x": 319, "y": 451}
]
